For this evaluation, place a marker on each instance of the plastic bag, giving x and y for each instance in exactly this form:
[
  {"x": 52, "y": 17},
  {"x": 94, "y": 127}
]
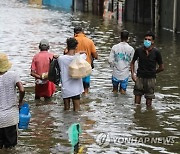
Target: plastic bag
[
  {"x": 54, "y": 74},
  {"x": 73, "y": 133},
  {"x": 79, "y": 67}
]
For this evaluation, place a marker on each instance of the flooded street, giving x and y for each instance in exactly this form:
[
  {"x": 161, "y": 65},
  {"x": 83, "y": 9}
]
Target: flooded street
[{"x": 108, "y": 122}]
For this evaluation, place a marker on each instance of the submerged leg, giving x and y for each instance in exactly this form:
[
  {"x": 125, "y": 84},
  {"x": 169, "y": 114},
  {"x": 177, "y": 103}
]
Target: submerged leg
[
  {"x": 76, "y": 104},
  {"x": 137, "y": 99},
  {"x": 148, "y": 102},
  {"x": 122, "y": 91},
  {"x": 66, "y": 103}
]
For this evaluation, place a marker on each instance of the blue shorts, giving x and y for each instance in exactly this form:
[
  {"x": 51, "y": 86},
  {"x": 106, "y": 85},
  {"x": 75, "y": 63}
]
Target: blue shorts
[
  {"x": 123, "y": 83},
  {"x": 86, "y": 81}
]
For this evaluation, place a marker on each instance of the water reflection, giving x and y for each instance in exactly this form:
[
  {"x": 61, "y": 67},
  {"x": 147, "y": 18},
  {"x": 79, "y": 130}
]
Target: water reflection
[
  {"x": 23, "y": 26},
  {"x": 150, "y": 127}
]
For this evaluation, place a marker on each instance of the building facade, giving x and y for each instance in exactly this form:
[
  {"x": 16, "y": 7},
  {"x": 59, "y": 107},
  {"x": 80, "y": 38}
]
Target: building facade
[{"x": 157, "y": 13}]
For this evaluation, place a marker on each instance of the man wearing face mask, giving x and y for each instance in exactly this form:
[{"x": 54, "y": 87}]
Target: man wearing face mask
[{"x": 148, "y": 58}]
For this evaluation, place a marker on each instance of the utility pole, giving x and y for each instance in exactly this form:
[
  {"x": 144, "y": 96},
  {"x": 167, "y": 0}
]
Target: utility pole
[
  {"x": 152, "y": 13},
  {"x": 74, "y": 5},
  {"x": 175, "y": 16},
  {"x": 156, "y": 14}
]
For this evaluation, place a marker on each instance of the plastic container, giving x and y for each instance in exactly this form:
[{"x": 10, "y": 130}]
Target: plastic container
[
  {"x": 24, "y": 116},
  {"x": 24, "y": 121},
  {"x": 24, "y": 109}
]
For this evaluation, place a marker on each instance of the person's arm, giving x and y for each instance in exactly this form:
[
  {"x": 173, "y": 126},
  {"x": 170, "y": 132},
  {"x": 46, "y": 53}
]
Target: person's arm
[
  {"x": 132, "y": 67},
  {"x": 33, "y": 69},
  {"x": 160, "y": 68},
  {"x": 33, "y": 73},
  {"x": 94, "y": 55},
  {"x": 82, "y": 52},
  {"x": 111, "y": 58},
  {"x": 160, "y": 63},
  {"x": 21, "y": 92}
]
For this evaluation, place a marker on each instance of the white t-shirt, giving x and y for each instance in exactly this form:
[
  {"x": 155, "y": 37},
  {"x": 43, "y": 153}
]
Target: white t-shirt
[
  {"x": 70, "y": 87},
  {"x": 9, "y": 112},
  {"x": 120, "y": 57}
]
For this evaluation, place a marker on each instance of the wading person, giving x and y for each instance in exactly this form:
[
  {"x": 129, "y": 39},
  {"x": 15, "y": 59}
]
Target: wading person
[
  {"x": 120, "y": 57},
  {"x": 148, "y": 58},
  {"x": 87, "y": 45},
  {"x": 9, "y": 111},
  {"x": 71, "y": 88},
  {"x": 39, "y": 70}
]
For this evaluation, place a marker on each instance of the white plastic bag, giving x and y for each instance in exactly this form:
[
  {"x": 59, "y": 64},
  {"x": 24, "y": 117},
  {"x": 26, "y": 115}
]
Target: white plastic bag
[{"x": 79, "y": 67}]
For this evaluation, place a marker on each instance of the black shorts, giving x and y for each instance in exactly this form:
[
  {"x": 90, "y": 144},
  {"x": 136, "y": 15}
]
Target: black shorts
[
  {"x": 8, "y": 136},
  {"x": 74, "y": 97}
]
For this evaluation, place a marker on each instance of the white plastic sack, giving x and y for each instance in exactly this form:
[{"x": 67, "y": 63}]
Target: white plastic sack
[{"x": 79, "y": 67}]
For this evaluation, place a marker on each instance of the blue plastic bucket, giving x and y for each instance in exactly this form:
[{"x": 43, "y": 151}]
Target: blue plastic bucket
[
  {"x": 24, "y": 109},
  {"x": 24, "y": 121},
  {"x": 24, "y": 116}
]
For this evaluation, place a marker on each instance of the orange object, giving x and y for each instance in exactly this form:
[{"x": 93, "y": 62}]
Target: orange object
[{"x": 85, "y": 44}]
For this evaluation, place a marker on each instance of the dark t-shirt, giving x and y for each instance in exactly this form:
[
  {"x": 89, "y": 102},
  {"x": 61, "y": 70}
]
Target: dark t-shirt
[{"x": 147, "y": 63}]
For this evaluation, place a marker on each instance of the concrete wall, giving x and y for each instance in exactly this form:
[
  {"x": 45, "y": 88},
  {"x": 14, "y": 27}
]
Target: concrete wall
[
  {"x": 129, "y": 11},
  {"x": 166, "y": 14},
  {"x": 138, "y": 11},
  {"x": 178, "y": 16},
  {"x": 98, "y": 7},
  {"x": 78, "y": 5}
]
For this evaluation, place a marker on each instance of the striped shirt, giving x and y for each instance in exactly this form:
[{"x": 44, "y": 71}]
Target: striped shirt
[{"x": 9, "y": 112}]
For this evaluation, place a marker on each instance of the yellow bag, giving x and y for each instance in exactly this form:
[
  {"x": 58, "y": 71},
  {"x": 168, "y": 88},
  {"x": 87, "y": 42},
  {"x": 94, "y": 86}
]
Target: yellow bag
[{"x": 79, "y": 67}]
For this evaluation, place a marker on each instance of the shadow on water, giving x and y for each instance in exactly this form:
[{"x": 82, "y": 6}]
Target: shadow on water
[{"x": 110, "y": 124}]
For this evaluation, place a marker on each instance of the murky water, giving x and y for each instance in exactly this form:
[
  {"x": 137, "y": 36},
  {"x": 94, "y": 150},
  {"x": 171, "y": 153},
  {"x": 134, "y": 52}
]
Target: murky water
[{"x": 110, "y": 124}]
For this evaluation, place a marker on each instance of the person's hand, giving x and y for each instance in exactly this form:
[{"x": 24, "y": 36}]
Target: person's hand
[
  {"x": 20, "y": 104},
  {"x": 133, "y": 76},
  {"x": 81, "y": 52},
  {"x": 55, "y": 56},
  {"x": 44, "y": 76}
]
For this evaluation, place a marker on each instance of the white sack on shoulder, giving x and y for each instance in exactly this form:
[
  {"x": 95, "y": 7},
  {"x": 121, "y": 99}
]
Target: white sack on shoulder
[{"x": 79, "y": 67}]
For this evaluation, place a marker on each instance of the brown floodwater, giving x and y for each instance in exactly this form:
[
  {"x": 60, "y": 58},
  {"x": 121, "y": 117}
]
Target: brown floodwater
[{"x": 110, "y": 124}]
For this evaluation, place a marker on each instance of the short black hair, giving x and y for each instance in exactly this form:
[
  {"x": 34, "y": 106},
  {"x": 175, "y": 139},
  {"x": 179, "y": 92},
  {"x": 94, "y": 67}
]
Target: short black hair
[
  {"x": 71, "y": 43},
  {"x": 78, "y": 30},
  {"x": 124, "y": 35},
  {"x": 150, "y": 33}
]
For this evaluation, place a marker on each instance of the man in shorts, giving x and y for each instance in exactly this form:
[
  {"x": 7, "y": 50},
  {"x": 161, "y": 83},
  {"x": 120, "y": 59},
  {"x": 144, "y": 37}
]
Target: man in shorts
[
  {"x": 120, "y": 57},
  {"x": 148, "y": 58},
  {"x": 71, "y": 88},
  {"x": 87, "y": 45}
]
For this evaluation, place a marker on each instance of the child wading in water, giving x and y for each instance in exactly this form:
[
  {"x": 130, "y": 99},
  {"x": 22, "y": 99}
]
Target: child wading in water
[{"x": 71, "y": 88}]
